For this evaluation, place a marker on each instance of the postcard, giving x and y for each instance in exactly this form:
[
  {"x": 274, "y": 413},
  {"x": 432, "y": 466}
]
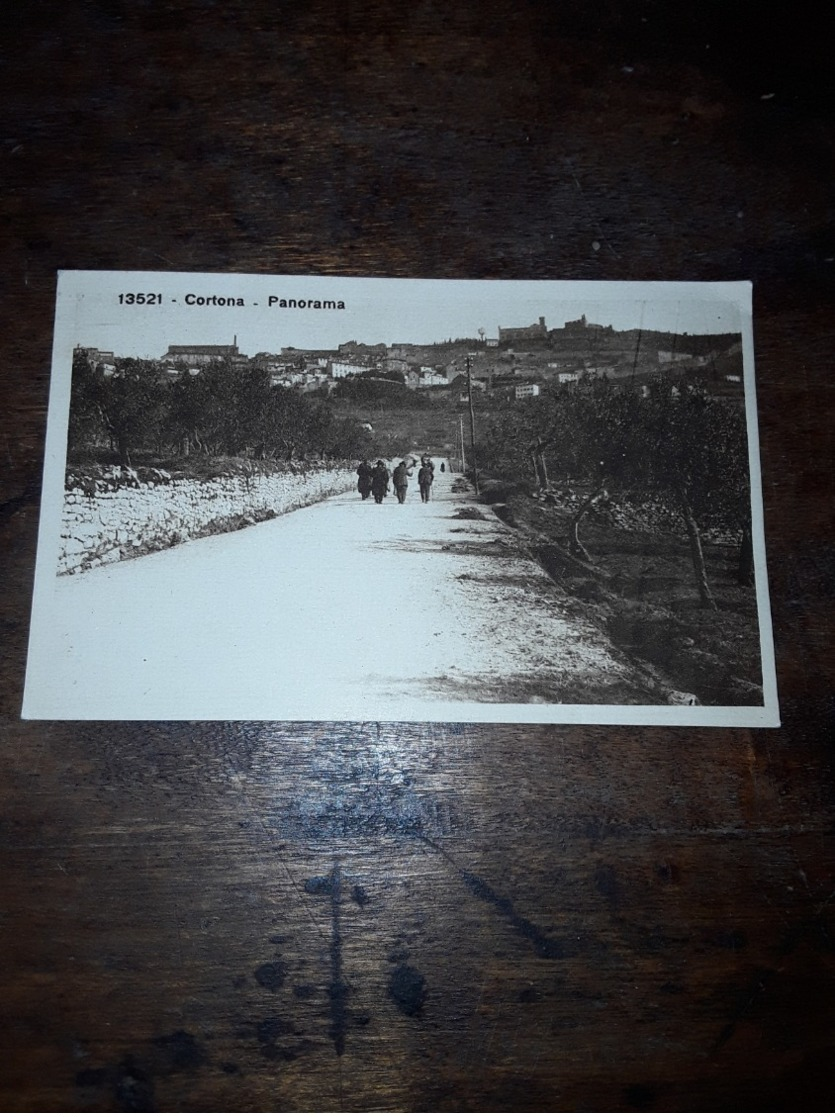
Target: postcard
[{"x": 321, "y": 498}]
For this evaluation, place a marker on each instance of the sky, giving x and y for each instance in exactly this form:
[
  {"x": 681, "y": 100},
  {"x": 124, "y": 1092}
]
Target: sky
[{"x": 91, "y": 313}]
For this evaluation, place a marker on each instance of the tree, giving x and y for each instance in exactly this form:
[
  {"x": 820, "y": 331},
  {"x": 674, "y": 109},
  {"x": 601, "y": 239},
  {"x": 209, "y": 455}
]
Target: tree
[
  {"x": 289, "y": 419},
  {"x": 591, "y": 436},
  {"x": 86, "y": 427},
  {"x": 695, "y": 449},
  {"x": 188, "y": 399},
  {"x": 365, "y": 390},
  {"x": 131, "y": 403},
  {"x": 678, "y": 445},
  {"x": 252, "y": 395},
  {"x": 233, "y": 406},
  {"x": 506, "y": 440}
]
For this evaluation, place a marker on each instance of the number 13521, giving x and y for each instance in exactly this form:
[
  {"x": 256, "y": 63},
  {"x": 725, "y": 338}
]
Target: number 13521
[{"x": 131, "y": 299}]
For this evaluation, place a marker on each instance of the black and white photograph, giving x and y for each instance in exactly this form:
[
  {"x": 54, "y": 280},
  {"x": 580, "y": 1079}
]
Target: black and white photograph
[{"x": 293, "y": 498}]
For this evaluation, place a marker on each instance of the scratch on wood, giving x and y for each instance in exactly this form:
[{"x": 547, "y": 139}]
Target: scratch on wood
[{"x": 544, "y": 945}]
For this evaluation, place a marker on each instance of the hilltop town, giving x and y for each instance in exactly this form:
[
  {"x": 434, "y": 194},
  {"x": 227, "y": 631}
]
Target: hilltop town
[{"x": 518, "y": 363}]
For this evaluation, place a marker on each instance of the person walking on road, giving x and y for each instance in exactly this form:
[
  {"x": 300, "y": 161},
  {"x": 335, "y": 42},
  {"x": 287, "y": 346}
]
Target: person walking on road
[
  {"x": 380, "y": 481},
  {"x": 401, "y": 481},
  {"x": 364, "y": 475},
  {"x": 425, "y": 478}
]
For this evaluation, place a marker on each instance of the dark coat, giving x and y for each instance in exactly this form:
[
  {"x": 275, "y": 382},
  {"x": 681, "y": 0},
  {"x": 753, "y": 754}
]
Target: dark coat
[
  {"x": 380, "y": 480},
  {"x": 364, "y": 474}
]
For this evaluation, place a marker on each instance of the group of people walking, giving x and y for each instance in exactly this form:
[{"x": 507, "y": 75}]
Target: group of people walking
[{"x": 376, "y": 480}]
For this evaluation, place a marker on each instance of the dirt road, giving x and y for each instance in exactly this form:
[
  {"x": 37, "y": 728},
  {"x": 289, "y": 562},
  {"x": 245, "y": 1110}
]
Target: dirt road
[{"x": 347, "y": 609}]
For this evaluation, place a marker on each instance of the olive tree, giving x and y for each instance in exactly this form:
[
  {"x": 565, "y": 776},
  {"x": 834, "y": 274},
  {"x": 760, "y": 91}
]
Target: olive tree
[
  {"x": 131, "y": 402},
  {"x": 678, "y": 445},
  {"x": 695, "y": 449}
]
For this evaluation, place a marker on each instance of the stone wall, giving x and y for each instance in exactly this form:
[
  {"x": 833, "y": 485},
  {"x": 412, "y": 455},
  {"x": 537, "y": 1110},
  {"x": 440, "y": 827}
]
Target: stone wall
[{"x": 108, "y": 519}]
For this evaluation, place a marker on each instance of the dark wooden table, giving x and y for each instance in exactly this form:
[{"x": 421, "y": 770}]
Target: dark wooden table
[{"x": 242, "y": 916}]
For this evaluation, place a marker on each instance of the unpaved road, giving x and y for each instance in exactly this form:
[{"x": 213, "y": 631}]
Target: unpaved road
[{"x": 346, "y": 609}]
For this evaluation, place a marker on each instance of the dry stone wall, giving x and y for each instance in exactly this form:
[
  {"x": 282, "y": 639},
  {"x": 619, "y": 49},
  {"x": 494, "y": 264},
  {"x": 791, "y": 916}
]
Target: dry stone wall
[{"x": 106, "y": 520}]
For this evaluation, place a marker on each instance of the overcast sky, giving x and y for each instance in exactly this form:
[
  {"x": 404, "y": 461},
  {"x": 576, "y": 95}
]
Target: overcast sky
[{"x": 90, "y": 312}]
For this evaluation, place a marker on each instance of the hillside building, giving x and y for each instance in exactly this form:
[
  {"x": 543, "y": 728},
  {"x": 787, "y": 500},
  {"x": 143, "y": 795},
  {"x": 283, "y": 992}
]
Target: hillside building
[
  {"x": 96, "y": 356},
  {"x": 358, "y": 349},
  {"x": 195, "y": 356},
  {"x": 510, "y": 335},
  {"x": 340, "y": 369},
  {"x": 526, "y": 391}
]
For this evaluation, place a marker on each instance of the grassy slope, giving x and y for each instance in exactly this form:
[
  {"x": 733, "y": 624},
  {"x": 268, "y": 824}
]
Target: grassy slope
[{"x": 433, "y": 428}]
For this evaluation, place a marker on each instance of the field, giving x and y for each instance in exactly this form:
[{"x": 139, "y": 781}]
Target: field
[
  {"x": 639, "y": 588},
  {"x": 433, "y": 427}
]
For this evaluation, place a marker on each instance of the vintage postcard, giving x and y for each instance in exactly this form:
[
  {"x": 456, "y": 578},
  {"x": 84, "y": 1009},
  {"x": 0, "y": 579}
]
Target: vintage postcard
[{"x": 306, "y": 498}]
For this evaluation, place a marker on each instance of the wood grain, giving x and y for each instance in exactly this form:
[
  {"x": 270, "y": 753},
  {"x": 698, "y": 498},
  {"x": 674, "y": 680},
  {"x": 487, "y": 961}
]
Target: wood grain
[{"x": 412, "y": 917}]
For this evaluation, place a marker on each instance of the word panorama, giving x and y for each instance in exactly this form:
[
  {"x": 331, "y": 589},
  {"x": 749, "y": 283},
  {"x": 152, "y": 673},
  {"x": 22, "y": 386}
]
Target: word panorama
[{"x": 305, "y": 304}]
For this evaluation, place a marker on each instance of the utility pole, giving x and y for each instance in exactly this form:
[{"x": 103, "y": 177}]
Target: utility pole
[
  {"x": 461, "y": 442},
  {"x": 472, "y": 426}
]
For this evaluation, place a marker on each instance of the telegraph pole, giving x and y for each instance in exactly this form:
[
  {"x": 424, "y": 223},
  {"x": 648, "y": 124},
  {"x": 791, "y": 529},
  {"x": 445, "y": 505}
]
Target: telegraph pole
[
  {"x": 472, "y": 426},
  {"x": 461, "y": 442}
]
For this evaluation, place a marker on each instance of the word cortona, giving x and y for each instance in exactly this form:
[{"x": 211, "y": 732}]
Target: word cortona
[{"x": 213, "y": 300}]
